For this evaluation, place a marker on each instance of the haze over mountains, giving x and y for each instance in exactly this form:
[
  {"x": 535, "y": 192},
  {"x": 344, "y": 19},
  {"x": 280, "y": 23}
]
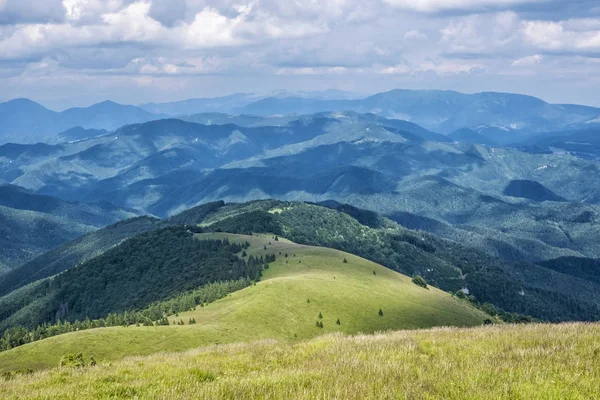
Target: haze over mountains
[
  {"x": 502, "y": 118},
  {"x": 535, "y": 200}
]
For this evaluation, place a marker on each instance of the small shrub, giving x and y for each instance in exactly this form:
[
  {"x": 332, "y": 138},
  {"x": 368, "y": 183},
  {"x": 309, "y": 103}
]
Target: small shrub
[
  {"x": 72, "y": 361},
  {"x": 419, "y": 281},
  {"x": 320, "y": 316},
  {"x": 489, "y": 309},
  {"x": 380, "y": 312},
  {"x": 374, "y": 273},
  {"x": 345, "y": 261},
  {"x": 338, "y": 322}
]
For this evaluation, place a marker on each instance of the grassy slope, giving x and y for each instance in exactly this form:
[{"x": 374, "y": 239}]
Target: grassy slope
[
  {"x": 497, "y": 362},
  {"x": 276, "y": 307}
]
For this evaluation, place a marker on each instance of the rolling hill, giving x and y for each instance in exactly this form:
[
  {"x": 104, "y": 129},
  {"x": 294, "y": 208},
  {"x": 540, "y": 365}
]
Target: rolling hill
[
  {"x": 546, "y": 292},
  {"x": 285, "y": 305}
]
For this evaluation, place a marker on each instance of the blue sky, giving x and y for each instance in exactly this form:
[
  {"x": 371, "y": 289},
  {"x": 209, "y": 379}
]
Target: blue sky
[{"x": 76, "y": 52}]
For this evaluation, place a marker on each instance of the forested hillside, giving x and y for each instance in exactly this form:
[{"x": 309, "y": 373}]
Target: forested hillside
[
  {"x": 152, "y": 266},
  {"x": 31, "y": 224},
  {"x": 75, "y": 252}
]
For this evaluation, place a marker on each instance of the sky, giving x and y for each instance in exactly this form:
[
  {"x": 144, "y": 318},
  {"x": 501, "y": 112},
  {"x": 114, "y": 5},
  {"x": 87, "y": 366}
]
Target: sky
[{"x": 66, "y": 53}]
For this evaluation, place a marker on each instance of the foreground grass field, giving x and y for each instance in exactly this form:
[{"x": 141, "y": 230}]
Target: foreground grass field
[
  {"x": 495, "y": 362},
  {"x": 310, "y": 285}
]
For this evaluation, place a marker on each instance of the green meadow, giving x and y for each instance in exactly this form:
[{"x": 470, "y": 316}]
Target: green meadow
[
  {"x": 309, "y": 293},
  {"x": 491, "y": 362}
]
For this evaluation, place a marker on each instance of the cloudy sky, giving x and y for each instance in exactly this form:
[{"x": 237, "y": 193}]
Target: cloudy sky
[{"x": 76, "y": 52}]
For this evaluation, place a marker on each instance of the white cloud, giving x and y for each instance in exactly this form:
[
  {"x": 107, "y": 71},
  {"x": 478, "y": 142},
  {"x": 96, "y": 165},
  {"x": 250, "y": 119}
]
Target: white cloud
[
  {"x": 568, "y": 36},
  {"x": 415, "y": 35},
  {"x": 447, "y": 67},
  {"x": 434, "y": 6},
  {"x": 89, "y": 10},
  {"x": 158, "y": 66},
  {"x": 312, "y": 71},
  {"x": 543, "y": 34},
  {"x": 399, "y": 69},
  {"x": 528, "y": 61},
  {"x": 484, "y": 34},
  {"x": 152, "y": 43}
]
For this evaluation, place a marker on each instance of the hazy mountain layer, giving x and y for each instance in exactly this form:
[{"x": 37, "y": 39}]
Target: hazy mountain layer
[{"x": 32, "y": 224}]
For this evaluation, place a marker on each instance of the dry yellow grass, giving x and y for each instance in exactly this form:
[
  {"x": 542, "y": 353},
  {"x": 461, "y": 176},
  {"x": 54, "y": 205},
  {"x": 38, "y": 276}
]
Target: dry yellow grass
[{"x": 494, "y": 362}]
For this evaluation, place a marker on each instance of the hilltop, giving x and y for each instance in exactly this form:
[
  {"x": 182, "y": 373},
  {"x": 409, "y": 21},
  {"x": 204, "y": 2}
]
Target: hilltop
[{"x": 310, "y": 285}]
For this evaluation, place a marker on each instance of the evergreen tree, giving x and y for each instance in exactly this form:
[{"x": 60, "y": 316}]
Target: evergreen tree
[
  {"x": 338, "y": 322},
  {"x": 380, "y": 312},
  {"x": 345, "y": 261},
  {"x": 320, "y": 316}
]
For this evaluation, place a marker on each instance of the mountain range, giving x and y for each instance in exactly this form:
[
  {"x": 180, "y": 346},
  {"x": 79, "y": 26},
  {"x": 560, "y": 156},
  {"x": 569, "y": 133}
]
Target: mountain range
[
  {"x": 500, "y": 118},
  {"x": 26, "y": 121},
  {"x": 511, "y": 203}
]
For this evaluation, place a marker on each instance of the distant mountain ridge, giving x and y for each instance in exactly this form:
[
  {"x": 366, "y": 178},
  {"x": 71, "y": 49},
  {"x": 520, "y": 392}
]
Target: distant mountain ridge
[
  {"x": 24, "y": 120},
  {"x": 502, "y": 118},
  {"x": 444, "y": 111}
]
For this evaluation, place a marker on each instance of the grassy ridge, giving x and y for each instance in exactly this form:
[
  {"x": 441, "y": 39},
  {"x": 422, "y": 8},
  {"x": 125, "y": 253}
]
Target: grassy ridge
[
  {"x": 497, "y": 362},
  {"x": 277, "y": 307}
]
